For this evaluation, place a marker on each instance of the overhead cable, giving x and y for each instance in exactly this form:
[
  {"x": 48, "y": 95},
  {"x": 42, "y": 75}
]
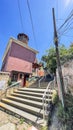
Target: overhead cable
[
  {"x": 20, "y": 15},
  {"x": 31, "y": 21},
  {"x": 69, "y": 17}
]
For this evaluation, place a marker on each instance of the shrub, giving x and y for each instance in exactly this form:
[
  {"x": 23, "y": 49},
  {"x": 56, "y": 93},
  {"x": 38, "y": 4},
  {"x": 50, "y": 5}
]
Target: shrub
[
  {"x": 65, "y": 117},
  {"x": 9, "y": 82},
  {"x": 43, "y": 128},
  {"x": 22, "y": 120},
  {"x": 54, "y": 97}
]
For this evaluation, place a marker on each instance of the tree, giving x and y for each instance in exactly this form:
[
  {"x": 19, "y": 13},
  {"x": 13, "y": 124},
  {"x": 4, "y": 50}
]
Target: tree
[
  {"x": 50, "y": 58},
  {"x": 64, "y": 54},
  {"x": 71, "y": 51}
]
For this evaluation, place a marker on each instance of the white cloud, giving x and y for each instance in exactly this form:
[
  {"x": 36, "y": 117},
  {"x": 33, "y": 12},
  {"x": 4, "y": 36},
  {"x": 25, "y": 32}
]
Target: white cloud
[{"x": 68, "y": 2}]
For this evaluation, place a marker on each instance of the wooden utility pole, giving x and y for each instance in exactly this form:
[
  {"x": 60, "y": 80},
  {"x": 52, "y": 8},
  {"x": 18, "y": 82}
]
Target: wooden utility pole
[{"x": 58, "y": 61}]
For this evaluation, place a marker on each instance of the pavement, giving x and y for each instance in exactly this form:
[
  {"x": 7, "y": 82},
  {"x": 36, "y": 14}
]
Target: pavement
[
  {"x": 8, "y": 126},
  {"x": 9, "y": 122}
]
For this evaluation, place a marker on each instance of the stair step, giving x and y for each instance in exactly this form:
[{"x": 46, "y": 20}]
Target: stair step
[
  {"x": 21, "y": 106},
  {"x": 35, "y": 98},
  {"x": 42, "y": 85},
  {"x": 22, "y": 113},
  {"x": 31, "y": 93},
  {"x": 35, "y": 90},
  {"x": 26, "y": 101}
]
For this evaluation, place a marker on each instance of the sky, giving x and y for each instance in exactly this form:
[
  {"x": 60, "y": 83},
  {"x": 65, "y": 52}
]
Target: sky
[{"x": 41, "y": 10}]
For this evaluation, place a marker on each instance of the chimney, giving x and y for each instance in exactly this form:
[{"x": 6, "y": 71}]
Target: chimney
[{"x": 23, "y": 37}]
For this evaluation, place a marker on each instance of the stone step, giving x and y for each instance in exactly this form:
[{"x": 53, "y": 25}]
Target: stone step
[
  {"x": 32, "y": 93},
  {"x": 26, "y": 101},
  {"x": 42, "y": 85},
  {"x": 20, "y": 113},
  {"x": 27, "y": 108},
  {"x": 35, "y": 98},
  {"x": 35, "y": 90}
]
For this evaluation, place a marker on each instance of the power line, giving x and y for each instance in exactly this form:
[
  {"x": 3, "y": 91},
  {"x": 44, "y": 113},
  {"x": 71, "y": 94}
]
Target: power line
[
  {"x": 59, "y": 19},
  {"x": 68, "y": 27},
  {"x": 69, "y": 17},
  {"x": 67, "y": 20},
  {"x": 66, "y": 30},
  {"x": 20, "y": 15},
  {"x": 68, "y": 36},
  {"x": 31, "y": 21},
  {"x": 69, "y": 24},
  {"x": 57, "y": 7}
]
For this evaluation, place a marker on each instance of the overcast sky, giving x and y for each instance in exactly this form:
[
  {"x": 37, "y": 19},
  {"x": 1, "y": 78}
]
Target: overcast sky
[{"x": 41, "y": 10}]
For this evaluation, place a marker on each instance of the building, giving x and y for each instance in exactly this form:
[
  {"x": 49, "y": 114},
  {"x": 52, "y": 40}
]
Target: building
[{"x": 18, "y": 58}]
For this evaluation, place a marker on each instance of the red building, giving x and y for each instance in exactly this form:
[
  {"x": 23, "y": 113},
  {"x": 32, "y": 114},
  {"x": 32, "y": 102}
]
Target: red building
[{"x": 18, "y": 58}]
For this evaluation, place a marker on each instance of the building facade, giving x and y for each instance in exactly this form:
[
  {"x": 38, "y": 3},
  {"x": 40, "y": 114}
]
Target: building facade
[{"x": 18, "y": 58}]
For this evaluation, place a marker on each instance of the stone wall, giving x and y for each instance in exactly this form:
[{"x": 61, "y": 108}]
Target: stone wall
[
  {"x": 67, "y": 71},
  {"x": 4, "y": 77}
]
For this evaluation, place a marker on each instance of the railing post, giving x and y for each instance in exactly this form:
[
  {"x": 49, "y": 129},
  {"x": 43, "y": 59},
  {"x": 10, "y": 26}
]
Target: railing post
[
  {"x": 39, "y": 83},
  {"x": 43, "y": 111}
]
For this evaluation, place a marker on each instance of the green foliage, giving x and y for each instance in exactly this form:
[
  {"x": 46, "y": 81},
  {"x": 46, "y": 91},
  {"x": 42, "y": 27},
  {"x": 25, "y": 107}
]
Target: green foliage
[
  {"x": 66, "y": 116},
  {"x": 64, "y": 54},
  {"x": 54, "y": 97},
  {"x": 22, "y": 120},
  {"x": 43, "y": 128},
  {"x": 50, "y": 58},
  {"x": 71, "y": 52},
  {"x": 9, "y": 82}
]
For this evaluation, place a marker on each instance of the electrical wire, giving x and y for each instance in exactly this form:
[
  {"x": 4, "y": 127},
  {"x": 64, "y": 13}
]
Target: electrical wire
[
  {"x": 20, "y": 15},
  {"x": 31, "y": 22},
  {"x": 68, "y": 36},
  {"x": 69, "y": 23},
  {"x": 67, "y": 27},
  {"x": 69, "y": 17},
  {"x": 59, "y": 19}
]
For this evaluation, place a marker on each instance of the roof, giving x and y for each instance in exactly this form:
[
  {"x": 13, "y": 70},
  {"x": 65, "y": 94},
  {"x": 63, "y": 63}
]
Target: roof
[{"x": 19, "y": 43}]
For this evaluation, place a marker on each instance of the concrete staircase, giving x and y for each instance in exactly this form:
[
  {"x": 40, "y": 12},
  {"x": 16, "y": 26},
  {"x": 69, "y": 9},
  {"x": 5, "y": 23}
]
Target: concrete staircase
[{"x": 26, "y": 103}]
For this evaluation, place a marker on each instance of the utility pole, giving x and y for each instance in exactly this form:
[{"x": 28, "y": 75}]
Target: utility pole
[{"x": 58, "y": 61}]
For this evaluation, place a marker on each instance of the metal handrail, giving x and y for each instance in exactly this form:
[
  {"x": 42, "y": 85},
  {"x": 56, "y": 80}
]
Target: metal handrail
[
  {"x": 8, "y": 88},
  {"x": 44, "y": 99},
  {"x": 40, "y": 81}
]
